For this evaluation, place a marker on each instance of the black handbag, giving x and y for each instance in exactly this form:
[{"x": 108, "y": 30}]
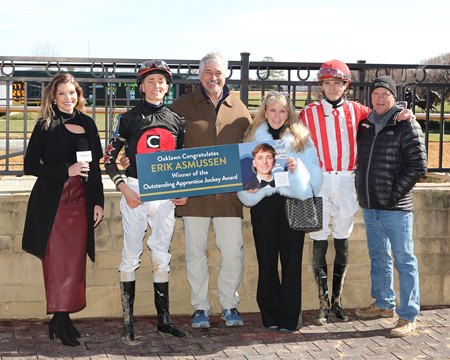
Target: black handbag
[{"x": 305, "y": 215}]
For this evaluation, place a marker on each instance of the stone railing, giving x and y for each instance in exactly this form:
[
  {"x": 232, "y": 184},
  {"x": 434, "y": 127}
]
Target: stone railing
[{"x": 22, "y": 293}]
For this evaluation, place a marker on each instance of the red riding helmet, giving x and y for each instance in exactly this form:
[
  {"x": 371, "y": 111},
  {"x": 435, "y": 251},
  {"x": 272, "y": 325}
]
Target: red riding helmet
[
  {"x": 334, "y": 69},
  {"x": 153, "y": 66}
]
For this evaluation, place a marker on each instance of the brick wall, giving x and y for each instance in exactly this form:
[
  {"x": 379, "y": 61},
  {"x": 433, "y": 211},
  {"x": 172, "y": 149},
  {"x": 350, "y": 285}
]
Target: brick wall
[{"x": 22, "y": 292}]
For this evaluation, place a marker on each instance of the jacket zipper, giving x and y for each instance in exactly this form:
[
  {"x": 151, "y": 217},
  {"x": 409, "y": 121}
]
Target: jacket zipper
[
  {"x": 368, "y": 170},
  {"x": 370, "y": 159}
]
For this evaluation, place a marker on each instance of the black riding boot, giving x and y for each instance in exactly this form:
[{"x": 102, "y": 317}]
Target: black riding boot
[
  {"x": 127, "y": 290},
  {"x": 321, "y": 277},
  {"x": 339, "y": 272},
  {"x": 338, "y": 284},
  {"x": 165, "y": 324}
]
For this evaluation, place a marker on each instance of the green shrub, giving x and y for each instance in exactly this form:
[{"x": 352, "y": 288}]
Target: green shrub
[{"x": 434, "y": 126}]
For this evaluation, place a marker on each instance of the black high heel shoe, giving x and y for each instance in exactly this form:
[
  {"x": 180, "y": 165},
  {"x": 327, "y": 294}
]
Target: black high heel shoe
[
  {"x": 73, "y": 331},
  {"x": 58, "y": 329}
]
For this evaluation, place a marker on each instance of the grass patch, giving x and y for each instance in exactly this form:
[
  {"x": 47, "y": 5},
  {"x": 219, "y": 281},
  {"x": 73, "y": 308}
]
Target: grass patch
[
  {"x": 435, "y": 137},
  {"x": 19, "y": 116}
]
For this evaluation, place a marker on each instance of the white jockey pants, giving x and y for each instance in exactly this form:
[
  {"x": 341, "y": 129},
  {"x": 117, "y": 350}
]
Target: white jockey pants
[
  {"x": 159, "y": 215},
  {"x": 228, "y": 234},
  {"x": 339, "y": 205}
]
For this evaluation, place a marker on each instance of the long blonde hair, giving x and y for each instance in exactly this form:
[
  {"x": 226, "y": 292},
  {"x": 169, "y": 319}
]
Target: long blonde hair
[
  {"x": 47, "y": 112},
  {"x": 299, "y": 132}
]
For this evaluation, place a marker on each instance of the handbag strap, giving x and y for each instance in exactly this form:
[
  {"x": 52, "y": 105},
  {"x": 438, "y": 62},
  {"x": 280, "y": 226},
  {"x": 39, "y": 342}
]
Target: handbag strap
[{"x": 314, "y": 194}]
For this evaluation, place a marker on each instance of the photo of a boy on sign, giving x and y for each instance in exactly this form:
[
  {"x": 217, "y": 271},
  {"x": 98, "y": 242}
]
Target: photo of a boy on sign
[{"x": 265, "y": 167}]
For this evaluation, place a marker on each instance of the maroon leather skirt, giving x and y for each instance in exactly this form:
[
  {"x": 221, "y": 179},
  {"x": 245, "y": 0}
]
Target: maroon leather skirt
[{"x": 65, "y": 257}]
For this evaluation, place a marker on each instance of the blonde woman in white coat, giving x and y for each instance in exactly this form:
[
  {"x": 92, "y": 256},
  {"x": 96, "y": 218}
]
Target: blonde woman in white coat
[{"x": 279, "y": 300}]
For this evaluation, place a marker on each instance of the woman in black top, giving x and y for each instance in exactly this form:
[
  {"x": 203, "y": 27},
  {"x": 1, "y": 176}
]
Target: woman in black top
[{"x": 66, "y": 202}]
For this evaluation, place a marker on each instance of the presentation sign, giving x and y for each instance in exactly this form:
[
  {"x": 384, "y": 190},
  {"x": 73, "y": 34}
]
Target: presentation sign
[
  {"x": 189, "y": 172},
  {"x": 196, "y": 171}
]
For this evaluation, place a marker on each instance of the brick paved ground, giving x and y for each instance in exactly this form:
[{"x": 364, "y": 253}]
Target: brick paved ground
[{"x": 352, "y": 340}]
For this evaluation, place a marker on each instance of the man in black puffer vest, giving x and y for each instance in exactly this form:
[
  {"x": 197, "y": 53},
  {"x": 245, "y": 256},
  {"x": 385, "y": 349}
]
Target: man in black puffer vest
[{"x": 391, "y": 159}]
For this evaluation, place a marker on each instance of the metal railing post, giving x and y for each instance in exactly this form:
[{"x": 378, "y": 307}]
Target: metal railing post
[
  {"x": 245, "y": 70},
  {"x": 361, "y": 90}
]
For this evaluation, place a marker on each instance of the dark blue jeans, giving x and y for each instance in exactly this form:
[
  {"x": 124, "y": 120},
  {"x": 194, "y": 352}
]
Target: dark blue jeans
[{"x": 391, "y": 231}]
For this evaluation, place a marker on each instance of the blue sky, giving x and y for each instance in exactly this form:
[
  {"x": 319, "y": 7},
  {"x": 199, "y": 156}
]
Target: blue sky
[{"x": 383, "y": 31}]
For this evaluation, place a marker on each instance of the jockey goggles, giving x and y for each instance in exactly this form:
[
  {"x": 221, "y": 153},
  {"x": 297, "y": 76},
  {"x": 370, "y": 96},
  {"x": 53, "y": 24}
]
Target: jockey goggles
[
  {"x": 331, "y": 73},
  {"x": 149, "y": 66}
]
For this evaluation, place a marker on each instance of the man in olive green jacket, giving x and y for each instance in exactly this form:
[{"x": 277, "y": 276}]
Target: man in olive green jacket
[{"x": 214, "y": 116}]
